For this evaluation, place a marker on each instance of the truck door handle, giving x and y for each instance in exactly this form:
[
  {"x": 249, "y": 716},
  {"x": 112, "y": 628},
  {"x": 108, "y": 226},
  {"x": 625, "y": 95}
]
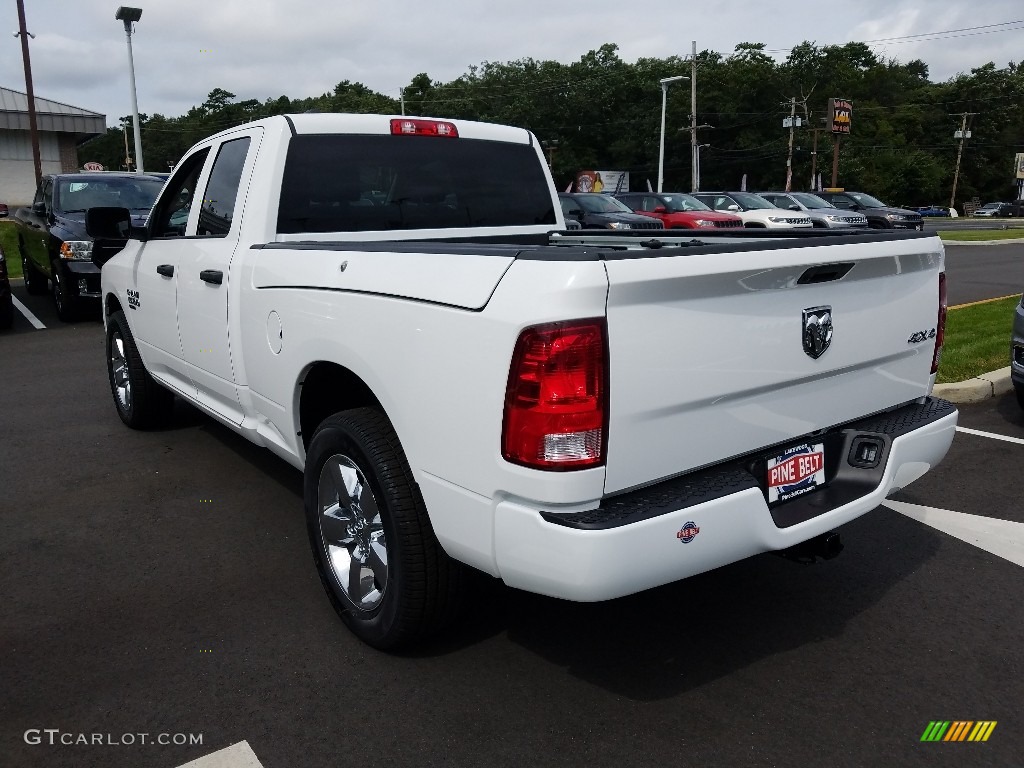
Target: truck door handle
[
  {"x": 214, "y": 276},
  {"x": 166, "y": 270}
]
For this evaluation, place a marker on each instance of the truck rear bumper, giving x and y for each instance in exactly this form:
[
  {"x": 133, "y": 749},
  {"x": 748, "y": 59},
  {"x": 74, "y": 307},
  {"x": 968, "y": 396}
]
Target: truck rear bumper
[{"x": 693, "y": 524}]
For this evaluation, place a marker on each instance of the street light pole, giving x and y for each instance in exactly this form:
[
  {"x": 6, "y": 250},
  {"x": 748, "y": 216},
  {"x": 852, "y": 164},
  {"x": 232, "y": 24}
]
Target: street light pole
[
  {"x": 129, "y": 16},
  {"x": 664, "y": 102}
]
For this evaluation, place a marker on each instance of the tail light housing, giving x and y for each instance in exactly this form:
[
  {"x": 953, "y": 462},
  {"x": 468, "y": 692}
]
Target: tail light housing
[
  {"x": 940, "y": 331},
  {"x": 556, "y": 402}
]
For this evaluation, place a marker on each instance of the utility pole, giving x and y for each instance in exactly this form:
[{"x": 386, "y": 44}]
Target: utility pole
[
  {"x": 401, "y": 97},
  {"x": 127, "y": 153},
  {"x": 963, "y": 134},
  {"x": 32, "y": 127},
  {"x": 814, "y": 156},
  {"x": 792, "y": 129},
  {"x": 694, "y": 127},
  {"x": 694, "y": 149},
  {"x": 835, "y": 158}
]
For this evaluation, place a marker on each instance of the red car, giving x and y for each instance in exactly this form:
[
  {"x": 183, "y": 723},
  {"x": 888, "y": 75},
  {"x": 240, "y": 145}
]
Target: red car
[{"x": 679, "y": 211}]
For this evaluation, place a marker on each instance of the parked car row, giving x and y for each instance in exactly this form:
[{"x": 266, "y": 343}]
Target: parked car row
[{"x": 728, "y": 209}]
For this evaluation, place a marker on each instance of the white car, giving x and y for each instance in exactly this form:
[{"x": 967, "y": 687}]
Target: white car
[
  {"x": 755, "y": 211},
  {"x": 821, "y": 212}
]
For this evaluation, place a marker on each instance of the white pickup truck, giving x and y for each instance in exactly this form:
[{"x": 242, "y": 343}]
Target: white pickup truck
[{"x": 391, "y": 305}]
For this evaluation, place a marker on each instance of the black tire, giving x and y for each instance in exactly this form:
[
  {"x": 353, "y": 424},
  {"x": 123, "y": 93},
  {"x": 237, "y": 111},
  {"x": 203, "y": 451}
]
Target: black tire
[
  {"x": 35, "y": 281},
  {"x": 1019, "y": 391},
  {"x": 66, "y": 302},
  {"x": 144, "y": 404},
  {"x": 421, "y": 588}
]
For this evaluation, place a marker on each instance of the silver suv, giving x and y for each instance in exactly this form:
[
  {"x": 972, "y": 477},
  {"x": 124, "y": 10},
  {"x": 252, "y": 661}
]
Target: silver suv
[{"x": 821, "y": 212}]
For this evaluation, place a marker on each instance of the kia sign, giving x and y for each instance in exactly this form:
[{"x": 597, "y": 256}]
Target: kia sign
[
  {"x": 93, "y": 167},
  {"x": 841, "y": 113}
]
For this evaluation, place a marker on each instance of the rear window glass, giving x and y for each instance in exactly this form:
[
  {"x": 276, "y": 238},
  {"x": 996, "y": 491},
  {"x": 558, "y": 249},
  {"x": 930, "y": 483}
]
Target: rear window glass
[{"x": 346, "y": 183}]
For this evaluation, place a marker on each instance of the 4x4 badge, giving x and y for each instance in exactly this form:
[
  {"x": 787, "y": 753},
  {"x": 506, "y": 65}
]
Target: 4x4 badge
[{"x": 817, "y": 330}]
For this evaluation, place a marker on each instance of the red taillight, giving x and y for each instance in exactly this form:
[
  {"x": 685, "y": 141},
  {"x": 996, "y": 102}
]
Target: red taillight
[
  {"x": 403, "y": 127},
  {"x": 556, "y": 403},
  {"x": 940, "y": 331}
]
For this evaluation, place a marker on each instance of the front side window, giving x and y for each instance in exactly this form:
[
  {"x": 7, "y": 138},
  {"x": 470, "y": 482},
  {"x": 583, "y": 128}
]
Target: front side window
[
  {"x": 751, "y": 202},
  {"x": 840, "y": 201},
  {"x": 867, "y": 200},
  {"x": 41, "y": 192},
  {"x": 719, "y": 202},
  {"x": 811, "y": 201},
  {"x": 354, "y": 183},
  {"x": 598, "y": 203},
  {"x": 218, "y": 205},
  {"x": 682, "y": 202},
  {"x": 170, "y": 216}
]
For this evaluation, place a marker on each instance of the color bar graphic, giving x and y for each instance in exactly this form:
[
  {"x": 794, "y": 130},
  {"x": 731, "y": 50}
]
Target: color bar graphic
[{"x": 958, "y": 730}]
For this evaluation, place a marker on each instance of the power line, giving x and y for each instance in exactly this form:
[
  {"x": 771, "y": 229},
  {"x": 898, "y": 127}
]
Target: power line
[{"x": 942, "y": 35}]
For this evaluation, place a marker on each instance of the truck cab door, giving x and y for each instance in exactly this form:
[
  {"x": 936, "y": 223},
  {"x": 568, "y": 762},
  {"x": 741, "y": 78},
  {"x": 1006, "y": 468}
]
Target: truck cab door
[
  {"x": 151, "y": 303},
  {"x": 36, "y": 228},
  {"x": 204, "y": 273}
]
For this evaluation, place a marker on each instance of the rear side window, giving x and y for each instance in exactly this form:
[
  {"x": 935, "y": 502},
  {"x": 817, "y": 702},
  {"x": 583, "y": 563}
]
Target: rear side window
[
  {"x": 345, "y": 183},
  {"x": 218, "y": 206}
]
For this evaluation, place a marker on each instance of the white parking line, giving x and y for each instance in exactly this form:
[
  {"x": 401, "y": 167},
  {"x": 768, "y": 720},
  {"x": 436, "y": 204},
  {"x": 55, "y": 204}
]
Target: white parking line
[
  {"x": 238, "y": 755},
  {"x": 992, "y": 435},
  {"x": 1004, "y": 538},
  {"x": 28, "y": 315}
]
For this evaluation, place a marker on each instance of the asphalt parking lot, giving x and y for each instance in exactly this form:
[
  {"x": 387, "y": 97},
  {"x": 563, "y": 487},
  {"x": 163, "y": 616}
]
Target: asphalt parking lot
[{"x": 161, "y": 584}]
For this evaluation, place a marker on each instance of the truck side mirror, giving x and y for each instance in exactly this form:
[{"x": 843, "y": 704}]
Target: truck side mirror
[
  {"x": 108, "y": 223},
  {"x": 110, "y": 228},
  {"x": 660, "y": 209},
  {"x": 39, "y": 208},
  {"x": 794, "y": 207}
]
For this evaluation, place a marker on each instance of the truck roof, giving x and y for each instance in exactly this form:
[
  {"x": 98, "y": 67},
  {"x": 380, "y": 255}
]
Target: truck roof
[{"x": 343, "y": 122}]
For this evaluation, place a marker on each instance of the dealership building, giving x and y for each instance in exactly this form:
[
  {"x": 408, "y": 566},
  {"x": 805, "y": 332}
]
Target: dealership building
[{"x": 61, "y": 129}]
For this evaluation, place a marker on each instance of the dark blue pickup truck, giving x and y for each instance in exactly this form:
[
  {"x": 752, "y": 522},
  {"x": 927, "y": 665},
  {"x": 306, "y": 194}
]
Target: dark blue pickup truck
[{"x": 54, "y": 246}]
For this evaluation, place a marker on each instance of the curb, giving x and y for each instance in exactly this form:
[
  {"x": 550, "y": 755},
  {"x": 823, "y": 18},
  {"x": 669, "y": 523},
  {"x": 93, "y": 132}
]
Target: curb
[
  {"x": 977, "y": 389},
  {"x": 982, "y": 242}
]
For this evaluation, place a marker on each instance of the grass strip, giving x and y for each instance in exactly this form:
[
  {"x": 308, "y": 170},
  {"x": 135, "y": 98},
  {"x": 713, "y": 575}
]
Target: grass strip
[
  {"x": 977, "y": 340},
  {"x": 9, "y": 241},
  {"x": 980, "y": 235}
]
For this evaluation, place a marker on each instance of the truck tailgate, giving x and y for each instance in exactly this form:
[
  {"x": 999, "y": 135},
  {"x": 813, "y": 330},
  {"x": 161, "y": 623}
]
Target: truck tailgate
[{"x": 707, "y": 359}]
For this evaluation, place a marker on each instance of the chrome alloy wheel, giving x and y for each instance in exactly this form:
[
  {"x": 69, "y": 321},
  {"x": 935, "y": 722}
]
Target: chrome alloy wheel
[
  {"x": 352, "y": 532},
  {"x": 119, "y": 372}
]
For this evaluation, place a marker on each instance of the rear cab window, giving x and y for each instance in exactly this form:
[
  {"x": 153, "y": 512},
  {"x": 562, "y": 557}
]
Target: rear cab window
[
  {"x": 354, "y": 183},
  {"x": 218, "y": 206}
]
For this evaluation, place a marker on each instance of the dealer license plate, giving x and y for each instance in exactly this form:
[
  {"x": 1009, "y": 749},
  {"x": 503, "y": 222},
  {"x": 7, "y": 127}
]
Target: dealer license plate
[{"x": 800, "y": 470}]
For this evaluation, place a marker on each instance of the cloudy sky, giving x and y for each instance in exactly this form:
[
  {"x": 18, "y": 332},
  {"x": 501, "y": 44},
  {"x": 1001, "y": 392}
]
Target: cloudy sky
[{"x": 266, "y": 48}]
